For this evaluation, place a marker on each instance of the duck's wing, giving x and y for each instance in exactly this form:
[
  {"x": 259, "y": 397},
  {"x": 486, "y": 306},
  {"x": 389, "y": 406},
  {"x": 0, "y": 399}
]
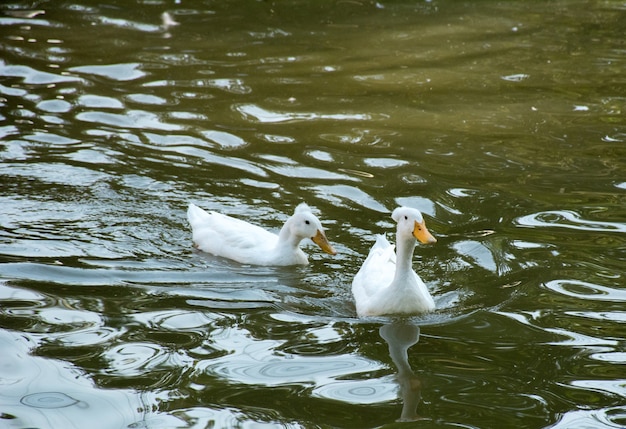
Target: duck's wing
[
  {"x": 376, "y": 273},
  {"x": 226, "y": 236},
  {"x": 421, "y": 295}
]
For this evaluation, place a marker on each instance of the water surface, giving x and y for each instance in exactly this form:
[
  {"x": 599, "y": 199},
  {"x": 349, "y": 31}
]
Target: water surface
[{"x": 503, "y": 122}]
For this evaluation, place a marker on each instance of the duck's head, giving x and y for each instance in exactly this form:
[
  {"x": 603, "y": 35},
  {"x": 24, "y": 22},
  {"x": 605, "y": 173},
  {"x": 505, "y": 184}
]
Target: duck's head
[
  {"x": 304, "y": 224},
  {"x": 410, "y": 222}
]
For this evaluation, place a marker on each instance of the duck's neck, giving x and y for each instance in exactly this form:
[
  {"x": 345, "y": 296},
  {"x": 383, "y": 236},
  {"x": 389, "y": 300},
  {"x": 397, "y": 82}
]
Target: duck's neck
[
  {"x": 286, "y": 239},
  {"x": 404, "y": 263}
]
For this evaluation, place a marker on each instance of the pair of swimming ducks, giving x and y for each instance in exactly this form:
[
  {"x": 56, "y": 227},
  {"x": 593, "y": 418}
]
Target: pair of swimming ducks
[{"x": 385, "y": 284}]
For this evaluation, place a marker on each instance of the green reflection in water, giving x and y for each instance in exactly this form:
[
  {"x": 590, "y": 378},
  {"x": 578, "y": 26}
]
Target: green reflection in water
[{"x": 502, "y": 122}]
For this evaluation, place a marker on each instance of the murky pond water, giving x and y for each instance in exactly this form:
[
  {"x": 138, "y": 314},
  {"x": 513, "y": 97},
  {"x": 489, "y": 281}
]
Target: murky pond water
[{"x": 503, "y": 122}]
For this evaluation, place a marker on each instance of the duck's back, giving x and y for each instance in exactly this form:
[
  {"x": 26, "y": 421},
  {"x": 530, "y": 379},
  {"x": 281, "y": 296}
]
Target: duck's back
[
  {"x": 375, "y": 274},
  {"x": 225, "y": 236}
]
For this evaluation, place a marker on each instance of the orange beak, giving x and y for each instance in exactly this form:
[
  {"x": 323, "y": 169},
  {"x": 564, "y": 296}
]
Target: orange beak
[
  {"x": 421, "y": 233},
  {"x": 321, "y": 240}
]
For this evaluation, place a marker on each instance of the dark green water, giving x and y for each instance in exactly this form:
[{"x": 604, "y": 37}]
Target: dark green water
[{"x": 504, "y": 122}]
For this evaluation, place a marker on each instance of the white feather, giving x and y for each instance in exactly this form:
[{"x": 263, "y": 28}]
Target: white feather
[
  {"x": 243, "y": 242},
  {"x": 383, "y": 286}
]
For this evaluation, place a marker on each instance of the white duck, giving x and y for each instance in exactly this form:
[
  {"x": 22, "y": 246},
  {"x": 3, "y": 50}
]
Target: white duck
[
  {"x": 386, "y": 283},
  {"x": 243, "y": 242}
]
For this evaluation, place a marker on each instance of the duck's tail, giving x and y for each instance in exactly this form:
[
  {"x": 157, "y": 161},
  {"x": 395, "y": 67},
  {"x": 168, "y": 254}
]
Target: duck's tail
[
  {"x": 196, "y": 215},
  {"x": 381, "y": 242}
]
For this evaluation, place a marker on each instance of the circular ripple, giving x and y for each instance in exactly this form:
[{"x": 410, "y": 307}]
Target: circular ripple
[
  {"x": 298, "y": 370},
  {"x": 358, "y": 391},
  {"x": 586, "y": 290},
  {"x": 133, "y": 359},
  {"x": 568, "y": 219},
  {"x": 48, "y": 400}
]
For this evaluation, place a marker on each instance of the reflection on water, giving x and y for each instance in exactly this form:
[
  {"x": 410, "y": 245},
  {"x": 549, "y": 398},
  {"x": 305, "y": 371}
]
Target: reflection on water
[
  {"x": 502, "y": 122},
  {"x": 39, "y": 392},
  {"x": 400, "y": 337}
]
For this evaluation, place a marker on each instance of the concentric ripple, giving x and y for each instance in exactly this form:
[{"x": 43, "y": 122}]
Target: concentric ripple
[
  {"x": 570, "y": 220},
  {"x": 291, "y": 369},
  {"x": 50, "y": 400},
  {"x": 586, "y": 290},
  {"x": 364, "y": 392}
]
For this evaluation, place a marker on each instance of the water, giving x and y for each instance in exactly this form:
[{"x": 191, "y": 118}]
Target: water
[{"x": 502, "y": 121}]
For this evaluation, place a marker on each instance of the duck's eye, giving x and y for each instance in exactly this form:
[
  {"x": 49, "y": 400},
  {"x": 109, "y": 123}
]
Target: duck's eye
[
  {"x": 307, "y": 222},
  {"x": 406, "y": 218}
]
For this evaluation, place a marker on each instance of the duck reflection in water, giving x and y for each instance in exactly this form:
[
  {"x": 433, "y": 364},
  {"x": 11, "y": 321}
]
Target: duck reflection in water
[{"x": 400, "y": 336}]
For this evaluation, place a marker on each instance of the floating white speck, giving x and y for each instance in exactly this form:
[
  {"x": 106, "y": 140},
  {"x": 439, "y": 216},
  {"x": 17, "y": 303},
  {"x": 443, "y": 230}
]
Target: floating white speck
[
  {"x": 579, "y": 108},
  {"x": 610, "y": 139},
  {"x": 167, "y": 21},
  {"x": 516, "y": 77}
]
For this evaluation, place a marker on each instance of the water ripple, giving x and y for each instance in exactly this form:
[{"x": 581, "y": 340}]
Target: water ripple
[
  {"x": 607, "y": 316},
  {"x": 32, "y": 76},
  {"x": 175, "y": 320},
  {"x": 259, "y": 114},
  {"x": 224, "y": 139},
  {"x": 111, "y": 126},
  {"x": 222, "y": 161},
  {"x": 304, "y": 172},
  {"x": 47, "y": 393},
  {"x": 10, "y": 293},
  {"x": 127, "y": 24},
  {"x": 120, "y": 276},
  {"x": 226, "y": 417},
  {"x": 568, "y": 219},
  {"x": 339, "y": 194},
  {"x": 90, "y": 336},
  {"x": 358, "y": 391},
  {"x": 609, "y": 418},
  {"x": 136, "y": 358},
  {"x": 289, "y": 369},
  {"x": 67, "y": 317},
  {"x": 54, "y": 106},
  {"x": 612, "y": 357},
  {"x": 118, "y": 72},
  {"x": 234, "y": 86},
  {"x": 254, "y": 362},
  {"x": 614, "y": 387},
  {"x": 498, "y": 408},
  {"x": 565, "y": 337},
  {"x": 24, "y": 21},
  {"x": 99, "y": 101},
  {"x": 135, "y": 119},
  {"x": 585, "y": 290},
  {"x": 50, "y": 400}
]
